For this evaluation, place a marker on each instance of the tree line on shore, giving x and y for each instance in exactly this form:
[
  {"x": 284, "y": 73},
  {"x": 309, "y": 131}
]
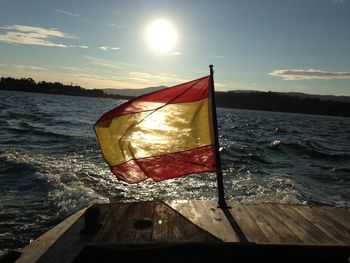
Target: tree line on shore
[
  {"x": 266, "y": 101},
  {"x": 272, "y": 101},
  {"x": 29, "y": 85}
]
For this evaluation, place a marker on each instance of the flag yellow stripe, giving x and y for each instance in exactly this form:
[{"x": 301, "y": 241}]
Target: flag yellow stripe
[{"x": 173, "y": 128}]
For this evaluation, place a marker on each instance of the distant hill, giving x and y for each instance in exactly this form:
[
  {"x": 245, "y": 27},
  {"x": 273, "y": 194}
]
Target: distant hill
[
  {"x": 321, "y": 97},
  {"x": 29, "y": 85},
  {"x": 241, "y": 99},
  {"x": 132, "y": 92},
  {"x": 284, "y": 102},
  {"x": 138, "y": 92},
  {"x": 300, "y": 95}
]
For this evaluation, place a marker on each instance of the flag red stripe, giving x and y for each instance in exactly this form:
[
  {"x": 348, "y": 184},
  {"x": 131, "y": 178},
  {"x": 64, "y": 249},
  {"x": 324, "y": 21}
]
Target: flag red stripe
[
  {"x": 187, "y": 92},
  {"x": 167, "y": 166}
]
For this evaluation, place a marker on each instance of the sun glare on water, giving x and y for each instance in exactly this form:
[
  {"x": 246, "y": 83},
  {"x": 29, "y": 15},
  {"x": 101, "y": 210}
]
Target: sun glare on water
[{"x": 161, "y": 36}]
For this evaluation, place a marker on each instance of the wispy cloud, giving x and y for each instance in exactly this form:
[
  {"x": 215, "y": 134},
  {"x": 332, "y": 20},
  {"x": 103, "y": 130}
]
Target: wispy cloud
[
  {"x": 18, "y": 66},
  {"x": 111, "y": 73},
  {"x": 93, "y": 77},
  {"x": 51, "y": 32},
  {"x": 148, "y": 79},
  {"x": 176, "y": 53},
  {"x": 106, "y": 48},
  {"x": 115, "y": 25},
  {"x": 102, "y": 81},
  {"x": 27, "y": 67},
  {"x": 39, "y": 36},
  {"x": 83, "y": 76},
  {"x": 218, "y": 56},
  {"x": 76, "y": 69},
  {"x": 306, "y": 74},
  {"x": 106, "y": 72},
  {"x": 67, "y": 12},
  {"x": 109, "y": 63}
]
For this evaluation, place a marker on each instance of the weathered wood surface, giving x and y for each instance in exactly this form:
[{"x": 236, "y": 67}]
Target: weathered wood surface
[
  {"x": 167, "y": 224},
  {"x": 193, "y": 221},
  {"x": 65, "y": 241},
  {"x": 293, "y": 224},
  {"x": 271, "y": 223},
  {"x": 34, "y": 251},
  {"x": 208, "y": 216}
]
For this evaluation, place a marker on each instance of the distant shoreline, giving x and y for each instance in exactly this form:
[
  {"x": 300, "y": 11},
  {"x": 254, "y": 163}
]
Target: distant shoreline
[
  {"x": 56, "y": 88},
  {"x": 262, "y": 101},
  {"x": 272, "y": 101}
]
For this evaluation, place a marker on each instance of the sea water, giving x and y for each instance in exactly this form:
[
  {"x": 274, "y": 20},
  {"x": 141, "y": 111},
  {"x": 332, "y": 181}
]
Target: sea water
[{"x": 51, "y": 166}]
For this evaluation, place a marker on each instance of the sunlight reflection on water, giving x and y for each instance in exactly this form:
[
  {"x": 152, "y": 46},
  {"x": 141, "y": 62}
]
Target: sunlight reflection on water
[{"x": 51, "y": 165}]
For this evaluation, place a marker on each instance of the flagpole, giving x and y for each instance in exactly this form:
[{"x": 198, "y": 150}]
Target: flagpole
[{"x": 221, "y": 193}]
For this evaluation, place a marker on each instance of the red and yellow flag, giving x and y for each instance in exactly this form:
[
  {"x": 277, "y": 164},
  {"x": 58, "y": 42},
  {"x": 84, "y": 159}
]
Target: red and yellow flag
[{"x": 160, "y": 135}]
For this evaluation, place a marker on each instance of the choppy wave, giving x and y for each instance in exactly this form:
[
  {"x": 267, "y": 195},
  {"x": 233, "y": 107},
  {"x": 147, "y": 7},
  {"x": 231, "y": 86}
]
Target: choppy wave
[
  {"x": 311, "y": 149},
  {"x": 50, "y": 164}
]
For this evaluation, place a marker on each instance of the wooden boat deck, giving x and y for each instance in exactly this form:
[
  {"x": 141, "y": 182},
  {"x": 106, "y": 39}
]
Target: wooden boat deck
[
  {"x": 144, "y": 228},
  {"x": 271, "y": 223}
]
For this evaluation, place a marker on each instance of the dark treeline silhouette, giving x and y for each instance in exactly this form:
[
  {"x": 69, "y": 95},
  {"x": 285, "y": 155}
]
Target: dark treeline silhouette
[
  {"x": 271, "y": 101},
  {"x": 266, "y": 101},
  {"x": 29, "y": 85}
]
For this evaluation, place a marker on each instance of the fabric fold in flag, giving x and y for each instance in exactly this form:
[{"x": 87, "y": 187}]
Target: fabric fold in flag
[{"x": 160, "y": 135}]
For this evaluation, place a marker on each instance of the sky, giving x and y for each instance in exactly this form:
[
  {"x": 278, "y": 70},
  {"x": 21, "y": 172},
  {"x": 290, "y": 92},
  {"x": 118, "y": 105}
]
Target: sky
[{"x": 279, "y": 45}]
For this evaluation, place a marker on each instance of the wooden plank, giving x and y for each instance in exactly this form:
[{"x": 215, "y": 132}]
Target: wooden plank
[
  {"x": 161, "y": 223},
  {"x": 36, "y": 249},
  {"x": 295, "y": 227},
  {"x": 112, "y": 222},
  {"x": 255, "y": 226},
  {"x": 250, "y": 223},
  {"x": 193, "y": 221},
  {"x": 323, "y": 222},
  {"x": 133, "y": 212},
  {"x": 310, "y": 233},
  {"x": 175, "y": 227},
  {"x": 147, "y": 211},
  {"x": 120, "y": 227},
  {"x": 207, "y": 216},
  {"x": 186, "y": 231},
  {"x": 68, "y": 246},
  {"x": 214, "y": 217},
  {"x": 277, "y": 222},
  {"x": 340, "y": 215}
]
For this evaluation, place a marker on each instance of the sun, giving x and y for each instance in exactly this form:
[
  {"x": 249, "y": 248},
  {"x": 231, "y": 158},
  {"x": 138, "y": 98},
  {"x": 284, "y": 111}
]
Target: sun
[{"x": 161, "y": 36}]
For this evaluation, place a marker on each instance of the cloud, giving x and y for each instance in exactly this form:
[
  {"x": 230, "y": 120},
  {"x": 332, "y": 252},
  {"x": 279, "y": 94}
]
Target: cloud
[
  {"x": 38, "y": 36},
  {"x": 102, "y": 81},
  {"x": 218, "y": 56},
  {"x": 115, "y": 25},
  {"x": 176, "y": 53},
  {"x": 85, "y": 77},
  {"x": 106, "y": 48},
  {"x": 148, "y": 79},
  {"x": 75, "y": 69},
  {"x": 93, "y": 77},
  {"x": 51, "y": 32},
  {"x": 103, "y": 73},
  {"x": 18, "y": 66},
  {"x": 109, "y": 63},
  {"x": 306, "y": 74},
  {"x": 82, "y": 46},
  {"x": 67, "y": 13},
  {"x": 27, "y": 67}
]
